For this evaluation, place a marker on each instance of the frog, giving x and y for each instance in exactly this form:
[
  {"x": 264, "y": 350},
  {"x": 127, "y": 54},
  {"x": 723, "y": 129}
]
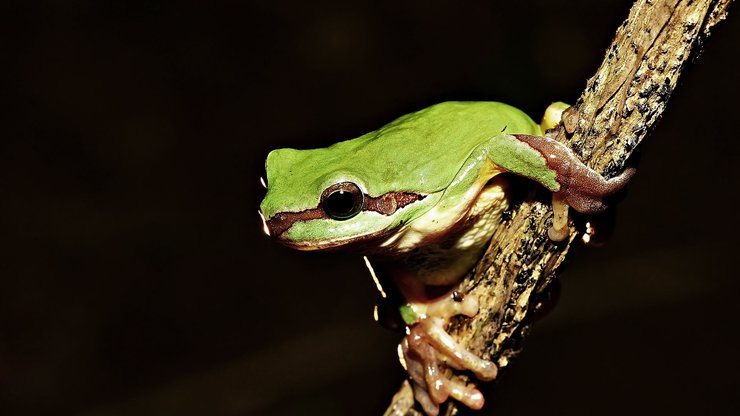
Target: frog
[{"x": 420, "y": 199}]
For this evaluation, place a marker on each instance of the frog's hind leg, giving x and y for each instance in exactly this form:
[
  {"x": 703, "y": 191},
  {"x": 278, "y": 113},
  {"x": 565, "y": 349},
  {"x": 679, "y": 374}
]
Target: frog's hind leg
[
  {"x": 558, "y": 169},
  {"x": 587, "y": 202}
]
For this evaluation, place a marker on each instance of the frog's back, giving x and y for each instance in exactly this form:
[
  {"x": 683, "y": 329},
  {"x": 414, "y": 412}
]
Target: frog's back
[
  {"x": 454, "y": 126},
  {"x": 420, "y": 152},
  {"x": 428, "y": 147}
]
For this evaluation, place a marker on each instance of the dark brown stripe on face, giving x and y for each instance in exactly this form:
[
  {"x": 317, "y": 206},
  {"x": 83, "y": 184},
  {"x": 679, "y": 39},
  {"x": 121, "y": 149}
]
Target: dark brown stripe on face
[
  {"x": 390, "y": 202},
  {"x": 283, "y": 220},
  {"x": 386, "y": 204}
]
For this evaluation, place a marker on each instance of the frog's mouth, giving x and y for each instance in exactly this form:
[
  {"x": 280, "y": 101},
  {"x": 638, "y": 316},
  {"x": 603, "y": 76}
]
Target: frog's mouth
[
  {"x": 357, "y": 243},
  {"x": 388, "y": 204}
]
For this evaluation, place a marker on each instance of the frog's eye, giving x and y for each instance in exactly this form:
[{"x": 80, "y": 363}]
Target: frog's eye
[{"x": 342, "y": 201}]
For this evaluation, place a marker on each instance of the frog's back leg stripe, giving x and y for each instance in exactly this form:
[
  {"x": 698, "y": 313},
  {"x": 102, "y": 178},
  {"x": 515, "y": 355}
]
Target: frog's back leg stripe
[
  {"x": 580, "y": 186},
  {"x": 558, "y": 169}
]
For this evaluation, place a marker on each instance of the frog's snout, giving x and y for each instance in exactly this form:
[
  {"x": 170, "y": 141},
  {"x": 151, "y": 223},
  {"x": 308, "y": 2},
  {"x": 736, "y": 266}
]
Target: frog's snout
[{"x": 265, "y": 227}]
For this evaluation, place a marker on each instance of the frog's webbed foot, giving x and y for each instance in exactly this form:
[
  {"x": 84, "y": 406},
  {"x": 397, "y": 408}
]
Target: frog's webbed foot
[
  {"x": 428, "y": 348},
  {"x": 585, "y": 191}
]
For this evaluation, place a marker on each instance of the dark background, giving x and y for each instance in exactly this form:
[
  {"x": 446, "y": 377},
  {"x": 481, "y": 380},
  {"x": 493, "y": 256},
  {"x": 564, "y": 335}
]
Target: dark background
[{"x": 134, "y": 276}]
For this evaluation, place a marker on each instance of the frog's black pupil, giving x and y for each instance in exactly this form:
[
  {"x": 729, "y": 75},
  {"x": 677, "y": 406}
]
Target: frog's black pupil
[{"x": 342, "y": 201}]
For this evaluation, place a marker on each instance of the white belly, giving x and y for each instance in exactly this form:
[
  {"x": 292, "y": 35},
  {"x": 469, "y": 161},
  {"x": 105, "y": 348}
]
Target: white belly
[{"x": 447, "y": 258}]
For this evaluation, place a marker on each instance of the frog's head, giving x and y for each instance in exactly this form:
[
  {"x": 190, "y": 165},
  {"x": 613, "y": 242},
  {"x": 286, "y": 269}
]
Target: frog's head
[{"x": 323, "y": 199}]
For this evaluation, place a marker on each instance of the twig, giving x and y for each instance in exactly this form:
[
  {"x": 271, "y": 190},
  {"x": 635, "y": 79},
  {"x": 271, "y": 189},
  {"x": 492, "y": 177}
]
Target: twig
[{"x": 617, "y": 110}]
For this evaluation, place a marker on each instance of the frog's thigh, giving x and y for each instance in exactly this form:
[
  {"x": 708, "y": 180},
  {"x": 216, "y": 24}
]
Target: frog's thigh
[
  {"x": 498, "y": 154},
  {"x": 510, "y": 153}
]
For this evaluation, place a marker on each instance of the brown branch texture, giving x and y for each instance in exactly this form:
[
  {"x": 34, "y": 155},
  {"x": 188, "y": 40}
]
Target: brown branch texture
[{"x": 619, "y": 107}]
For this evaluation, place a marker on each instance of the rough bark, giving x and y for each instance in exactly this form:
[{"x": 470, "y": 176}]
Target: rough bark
[{"x": 619, "y": 107}]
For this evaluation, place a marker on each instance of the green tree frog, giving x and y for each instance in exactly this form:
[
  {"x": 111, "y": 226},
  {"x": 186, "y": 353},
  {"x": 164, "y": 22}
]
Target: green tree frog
[{"x": 421, "y": 198}]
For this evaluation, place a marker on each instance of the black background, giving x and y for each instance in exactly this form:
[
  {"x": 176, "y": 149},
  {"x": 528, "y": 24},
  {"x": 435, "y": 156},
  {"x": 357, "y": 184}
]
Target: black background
[{"x": 135, "y": 279}]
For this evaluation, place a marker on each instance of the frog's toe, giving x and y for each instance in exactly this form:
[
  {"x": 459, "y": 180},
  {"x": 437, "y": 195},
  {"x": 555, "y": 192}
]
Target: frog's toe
[
  {"x": 420, "y": 360},
  {"x": 428, "y": 348},
  {"x": 468, "y": 395},
  {"x": 558, "y": 234},
  {"x": 456, "y": 354}
]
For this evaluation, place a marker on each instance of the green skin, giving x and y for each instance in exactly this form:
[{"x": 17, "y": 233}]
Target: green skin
[
  {"x": 451, "y": 136},
  {"x": 420, "y": 176},
  {"x": 387, "y": 160},
  {"x": 438, "y": 152}
]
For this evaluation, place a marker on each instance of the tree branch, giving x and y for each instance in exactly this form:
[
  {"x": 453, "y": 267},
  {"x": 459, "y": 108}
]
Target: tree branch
[{"x": 619, "y": 107}]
